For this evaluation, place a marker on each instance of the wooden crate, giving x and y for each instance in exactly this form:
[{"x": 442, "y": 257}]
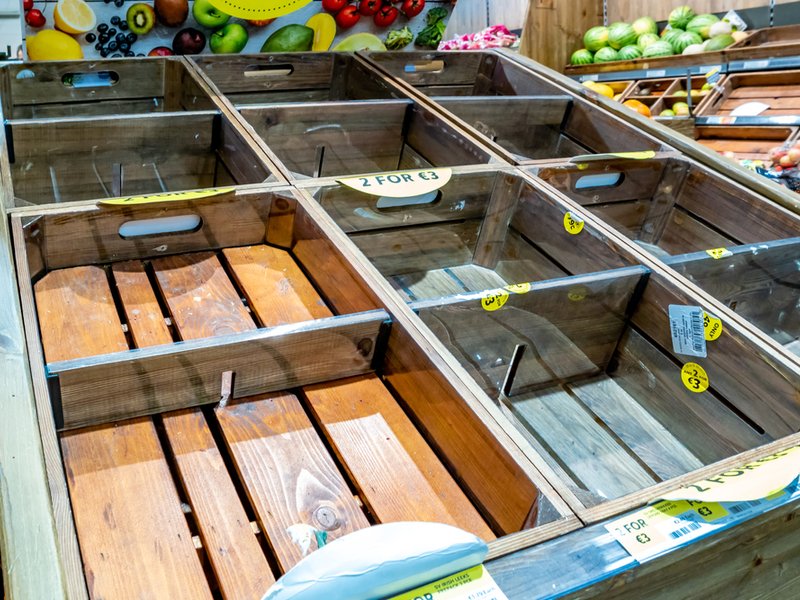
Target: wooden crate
[
  {"x": 68, "y": 159},
  {"x": 752, "y": 143},
  {"x": 660, "y": 94},
  {"x": 773, "y": 42},
  {"x": 718, "y": 57},
  {"x": 596, "y": 329},
  {"x": 515, "y": 112},
  {"x": 255, "y": 306},
  {"x": 779, "y": 89},
  {"x": 44, "y": 90}
]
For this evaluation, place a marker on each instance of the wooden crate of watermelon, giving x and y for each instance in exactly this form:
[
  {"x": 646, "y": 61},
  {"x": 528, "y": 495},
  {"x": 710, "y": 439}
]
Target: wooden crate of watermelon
[{"x": 697, "y": 39}]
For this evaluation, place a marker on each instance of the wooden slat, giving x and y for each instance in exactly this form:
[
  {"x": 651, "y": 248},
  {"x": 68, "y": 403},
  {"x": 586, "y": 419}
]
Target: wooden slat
[
  {"x": 267, "y": 72},
  {"x": 426, "y": 284},
  {"x": 625, "y": 217},
  {"x": 654, "y": 445},
  {"x": 398, "y": 474},
  {"x": 501, "y": 207},
  {"x": 134, "y": 538},
  {"x": 236, "y": 557},
  {"x": 420, "y": 489},
  {"x": 598, "y": 462},
  {"x": 684, "y": 233}
]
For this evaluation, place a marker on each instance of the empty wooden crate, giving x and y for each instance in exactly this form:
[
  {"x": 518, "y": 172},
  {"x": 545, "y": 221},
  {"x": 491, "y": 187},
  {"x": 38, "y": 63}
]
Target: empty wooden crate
[
  {"x": 520, "y": 113},
  {"x": 214, "y": 393},
  {"x": 41, "y": 90}
]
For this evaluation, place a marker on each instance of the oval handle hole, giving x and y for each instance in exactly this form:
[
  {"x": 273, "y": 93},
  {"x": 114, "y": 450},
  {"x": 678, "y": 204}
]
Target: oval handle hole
[
  {"x": 432, "y": 66},
  {"x": 421, "y": 201},
  {"x": 268, "y": 70},
  {"x": 601, "y": 180},
  {"x": 90, "y": 79},
  {"x": 161, "y": 226}
]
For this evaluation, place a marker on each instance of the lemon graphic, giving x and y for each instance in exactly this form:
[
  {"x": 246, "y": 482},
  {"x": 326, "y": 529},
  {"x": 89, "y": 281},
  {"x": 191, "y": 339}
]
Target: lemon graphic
[
  {"x": 53, "y": 45},
  {"x": 74, "y": 16}
]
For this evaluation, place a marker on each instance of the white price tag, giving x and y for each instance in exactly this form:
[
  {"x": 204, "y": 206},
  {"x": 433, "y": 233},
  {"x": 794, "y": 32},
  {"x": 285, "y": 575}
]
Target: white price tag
[
  {"x": 594, "y": 77},
  {"x": 658, "y": 73},
  {"x": 756, "y": 64},
  {"x": 688, "y": 330},
  {"x": 735, "y": 20}
]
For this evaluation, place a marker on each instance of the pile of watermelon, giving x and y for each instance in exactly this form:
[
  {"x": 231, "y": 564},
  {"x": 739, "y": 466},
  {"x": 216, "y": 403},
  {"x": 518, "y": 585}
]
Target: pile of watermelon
[{"x": 686, "y": 33}]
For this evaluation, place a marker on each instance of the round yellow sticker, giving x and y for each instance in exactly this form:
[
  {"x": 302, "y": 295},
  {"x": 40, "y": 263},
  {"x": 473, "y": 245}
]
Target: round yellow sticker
[
  {"x": 258, "y": 10},
  {"x": 494, "y": 299},
  {"x": 573, "y": 224},
  {"x": 717, "y": 253},
  {"x": 712, "y": 327},
  {"x": 519, "y": 288},
  {"x": 694, "y": 377},
  {"x": 577, "y": 294}
]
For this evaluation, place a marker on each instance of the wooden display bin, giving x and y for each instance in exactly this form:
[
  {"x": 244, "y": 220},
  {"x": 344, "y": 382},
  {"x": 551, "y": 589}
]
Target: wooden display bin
[
  {"x": 595, "y": 327},
  {"x": 68, "y": 159},
  {"x": 515, "y": 112},
  {"x": 671, "y": 205},
  {"x": 295, "y": 77},
  {"x": 357, "y": 137},
  {"x": 43, "y": 90},
  {"x": 779, "y": 89},
  {"x": 773, "y": 42},
  {"x": 249, "y": 350},
  {"x": 752, "y": 143}
]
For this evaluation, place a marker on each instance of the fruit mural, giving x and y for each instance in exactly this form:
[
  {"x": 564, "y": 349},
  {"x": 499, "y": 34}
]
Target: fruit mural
[{"x": 74, "y": 29}]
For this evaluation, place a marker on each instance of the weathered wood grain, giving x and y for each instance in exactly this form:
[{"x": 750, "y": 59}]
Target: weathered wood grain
[
  {"x": 145, "y": 320},
  {"x": 399, "y": 476}
]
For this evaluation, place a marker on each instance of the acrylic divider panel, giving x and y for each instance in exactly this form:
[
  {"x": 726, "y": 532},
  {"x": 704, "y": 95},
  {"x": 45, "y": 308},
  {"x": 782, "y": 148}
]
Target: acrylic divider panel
[
  {"x": 67, "y": 159},
  {"x": 512, "y": 108},
  {"x": 41, "y": 90},
  {"x": 168, "y": 459}
]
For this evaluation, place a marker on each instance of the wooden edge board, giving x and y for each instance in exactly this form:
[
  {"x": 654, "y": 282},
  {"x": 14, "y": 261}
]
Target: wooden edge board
[
  {"x": 242, "y": 127},
  {"x": 189, "y": 373},
  {"x": 448, "y": 366}
]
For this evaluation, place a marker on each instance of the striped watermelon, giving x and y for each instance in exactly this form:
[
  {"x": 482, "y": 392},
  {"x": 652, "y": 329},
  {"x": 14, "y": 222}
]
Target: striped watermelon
[
  {"x": 621, "y": 35},
  {"x": 596, "y": 38},
  {"x": 657, "y": 49},
  {"x": 629, "y": 53},
  {"x": 670, "y": 36},
  {"x": 680, "y": 17},
  {"x": 701, "y": 25},
  {"x": 684, "y": 40},
  {"x": 605, "y": 55},
  {"x": 582, "y": 57},
  {"x": 645, "y": 25},
  {"x": 647, "y": 39}
]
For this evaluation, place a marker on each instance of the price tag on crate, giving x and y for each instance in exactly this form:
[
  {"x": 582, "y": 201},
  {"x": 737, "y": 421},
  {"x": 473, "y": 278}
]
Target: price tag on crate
[
  {"x": 713, "y": 75},
  {"x": 168, "y": 197},
  {"x": 471, "y": 584},
  {"x": 717, "y": 253},
  {"x": 573, "y": 223},
  {"x": 687, "y": 330},
  {"x": 401, "y": 184},
  {"x": 708, "y": 506},
  {"x": 713, "y": 327}
]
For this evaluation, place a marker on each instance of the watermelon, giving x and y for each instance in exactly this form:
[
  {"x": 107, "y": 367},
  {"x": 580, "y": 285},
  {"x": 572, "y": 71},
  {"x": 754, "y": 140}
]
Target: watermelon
[
  {"x": 701, "y": 25},
  {"x": 596, "y": 38},
  {"x": 629, "y": 53},
  {"x": 605, "y": 55},
  {"x": 647, "y": 39},
  {"x": 620, "y": 35},
  {"x": 645, "y": 25},
  {"x": 657, "y": 49},
  {"x": 680, "y": 17},
  {"x": 684, "y": 40},
  {"x": 719, "y": 42},
  {"x": 582, "y": 57},
  {"x": 671, "y": 35}
]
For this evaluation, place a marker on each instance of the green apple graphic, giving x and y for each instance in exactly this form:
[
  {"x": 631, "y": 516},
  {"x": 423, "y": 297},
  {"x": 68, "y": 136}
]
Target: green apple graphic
[
  {"x": 208, "y": 15},
  {"x": 231, "y": 39}
]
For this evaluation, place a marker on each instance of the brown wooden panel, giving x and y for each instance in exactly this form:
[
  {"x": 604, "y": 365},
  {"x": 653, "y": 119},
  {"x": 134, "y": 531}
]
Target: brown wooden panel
[
  {"x": 267, "y": 72},
  {"x": 400, "y": 478},
  {"x": 440, "y": 143},
  {"x": 146, "y": 323}
]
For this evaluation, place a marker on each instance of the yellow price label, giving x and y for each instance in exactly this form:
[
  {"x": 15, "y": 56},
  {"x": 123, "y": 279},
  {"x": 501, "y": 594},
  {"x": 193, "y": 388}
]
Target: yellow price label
[
  {"x": 471, "y": 584},
  {"x": 573, "y": 224},
  {"x": 519, "y": 288},
  {"x": 717, "y": 253},
  {"x": 258, "y": 10},
  {"x": 712, "y": 326},
  {"x": 694, "y": 377},
  {"x": 584, "y": 158},
  {"x": 494, "y": 299},
  {"x": 167, "y": 197},
  {"x": 401, "y": 184}
]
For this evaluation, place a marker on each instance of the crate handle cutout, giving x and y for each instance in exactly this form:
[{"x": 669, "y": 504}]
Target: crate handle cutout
[
  {"x": 268, "y": 70},
  {"x": 90, "y": 79},
  {"x": 160, "y": 226},
  {"x": 601, "y": 180},
  {"x": 432, "y": 66},
  {"x": 424, "y": 200}
]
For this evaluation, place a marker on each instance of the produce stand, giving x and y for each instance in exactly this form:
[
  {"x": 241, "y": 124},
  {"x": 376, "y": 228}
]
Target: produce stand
[{"x": 173, "y": 368}]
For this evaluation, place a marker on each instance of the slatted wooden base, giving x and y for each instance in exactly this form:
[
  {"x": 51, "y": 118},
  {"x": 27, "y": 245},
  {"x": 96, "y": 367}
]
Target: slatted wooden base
[{"x": 335, "y": 456}]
